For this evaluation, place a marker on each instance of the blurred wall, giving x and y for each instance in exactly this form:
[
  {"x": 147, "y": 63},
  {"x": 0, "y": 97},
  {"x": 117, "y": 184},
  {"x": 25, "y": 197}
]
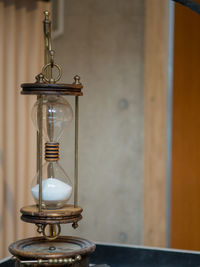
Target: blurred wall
[
  {"x": 103, "y": 43},
  {"x": 21, "y": 31}
]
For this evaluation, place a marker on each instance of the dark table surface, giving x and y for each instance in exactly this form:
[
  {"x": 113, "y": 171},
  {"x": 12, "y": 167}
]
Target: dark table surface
[{"x": 128, "y": 256}]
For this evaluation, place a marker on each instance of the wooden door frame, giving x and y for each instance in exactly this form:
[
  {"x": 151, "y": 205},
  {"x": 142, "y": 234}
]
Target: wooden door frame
[{"x": 157, "y": 121}]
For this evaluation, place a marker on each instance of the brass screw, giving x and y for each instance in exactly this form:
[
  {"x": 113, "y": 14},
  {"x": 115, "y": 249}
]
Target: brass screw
[
  {"x": 60, "y": 260},
  {"x": 40, "y": 261},
  {"x": 52, "y": 248},
  {"x": 78, "y": 257},
  {"x": 50, "y": 261},
  {"x": 70, "y": 260},
  {"x": 66, "y": 260}
]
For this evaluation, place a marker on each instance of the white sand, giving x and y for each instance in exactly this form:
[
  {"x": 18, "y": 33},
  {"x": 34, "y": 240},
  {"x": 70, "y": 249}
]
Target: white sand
[{"x": 52, "y": 190}]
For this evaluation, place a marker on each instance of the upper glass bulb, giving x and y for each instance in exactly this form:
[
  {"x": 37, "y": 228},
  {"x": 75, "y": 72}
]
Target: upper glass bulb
[{"x": 56, "y": 116}]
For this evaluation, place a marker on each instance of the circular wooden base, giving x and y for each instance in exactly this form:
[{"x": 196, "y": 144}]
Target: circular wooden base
[
  {"x": 65, "y": 250},
  {"x": 67, "y": 214}
]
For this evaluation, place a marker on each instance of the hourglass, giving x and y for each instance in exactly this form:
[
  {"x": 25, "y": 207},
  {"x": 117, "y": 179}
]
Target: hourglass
[
  {"x": 57, "y": 114},
  {"x": 51, "y": 187}
]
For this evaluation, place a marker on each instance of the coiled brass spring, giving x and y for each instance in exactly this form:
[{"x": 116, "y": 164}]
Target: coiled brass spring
[{"x": 51, "y": 151}]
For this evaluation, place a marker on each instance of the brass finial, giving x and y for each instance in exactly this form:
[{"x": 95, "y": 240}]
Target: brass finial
[
  {"x": 77, "y": 79},
  {"x": 39, "y": 78},
  {"x": 75, "y": 225}
]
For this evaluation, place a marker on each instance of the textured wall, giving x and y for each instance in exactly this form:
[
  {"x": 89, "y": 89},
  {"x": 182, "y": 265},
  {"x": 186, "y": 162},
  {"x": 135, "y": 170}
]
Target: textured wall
[{"x": 103, "y": 42}]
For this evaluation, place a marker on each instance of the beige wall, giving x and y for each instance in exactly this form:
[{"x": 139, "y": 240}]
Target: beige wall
[{"x": 103, "y": 42}]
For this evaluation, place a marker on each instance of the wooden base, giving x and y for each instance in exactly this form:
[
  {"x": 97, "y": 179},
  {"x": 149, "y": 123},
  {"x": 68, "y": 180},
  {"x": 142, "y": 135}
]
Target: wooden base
[
  {"x": 65, "y": 250},
  {"x": 67, "y": 214}
]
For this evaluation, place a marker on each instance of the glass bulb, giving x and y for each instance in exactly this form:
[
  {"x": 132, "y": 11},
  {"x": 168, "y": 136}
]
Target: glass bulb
[
  {"x": 56, "y": 186},
  {"x": 57, "y": 114}
]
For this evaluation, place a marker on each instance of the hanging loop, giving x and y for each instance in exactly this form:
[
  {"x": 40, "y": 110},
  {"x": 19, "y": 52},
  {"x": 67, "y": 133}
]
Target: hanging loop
[{"x": 52, "y": 65}]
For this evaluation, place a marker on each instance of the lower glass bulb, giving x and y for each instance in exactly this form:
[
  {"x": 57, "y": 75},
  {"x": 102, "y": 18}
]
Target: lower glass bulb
[{"x": 56, "y": 186}]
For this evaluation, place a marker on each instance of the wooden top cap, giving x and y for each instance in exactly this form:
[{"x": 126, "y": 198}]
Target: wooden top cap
[{"x": 51, "y": 89}]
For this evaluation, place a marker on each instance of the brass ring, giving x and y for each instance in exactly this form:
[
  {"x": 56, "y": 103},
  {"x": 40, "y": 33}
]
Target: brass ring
[
  {"x": 54, "y": 65},
  {"x": 53, "y": 237}
]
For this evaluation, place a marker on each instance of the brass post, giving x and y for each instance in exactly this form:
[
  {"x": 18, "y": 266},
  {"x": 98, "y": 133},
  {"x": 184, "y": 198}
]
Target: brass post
[
  {"x": 76, "y": 152},
  {"x": 39, "y": 151}
]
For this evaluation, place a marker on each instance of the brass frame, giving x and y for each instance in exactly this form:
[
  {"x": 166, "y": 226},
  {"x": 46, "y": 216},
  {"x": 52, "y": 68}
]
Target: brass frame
[{"x": 46, "y": 76}]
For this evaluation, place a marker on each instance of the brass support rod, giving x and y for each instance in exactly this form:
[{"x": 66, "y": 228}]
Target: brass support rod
[
  {"x": 76, "y": 152},
  {"x": 38, "y": 156},
  {"x": 39, "y": 151}
]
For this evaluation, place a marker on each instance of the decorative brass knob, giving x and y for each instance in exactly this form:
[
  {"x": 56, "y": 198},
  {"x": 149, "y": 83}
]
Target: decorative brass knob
[{"x": 77, "y": 79}]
